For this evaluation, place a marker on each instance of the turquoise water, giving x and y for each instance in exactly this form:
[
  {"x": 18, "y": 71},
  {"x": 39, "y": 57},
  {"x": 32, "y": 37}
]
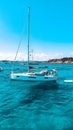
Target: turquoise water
[{"x": 36, "y": 107}]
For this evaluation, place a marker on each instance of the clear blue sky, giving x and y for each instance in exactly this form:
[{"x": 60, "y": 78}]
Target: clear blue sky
[{"x": 51, "y": 24}]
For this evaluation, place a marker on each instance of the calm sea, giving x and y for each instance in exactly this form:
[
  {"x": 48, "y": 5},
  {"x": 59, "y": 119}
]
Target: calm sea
[{"x": 36, "y": 107}]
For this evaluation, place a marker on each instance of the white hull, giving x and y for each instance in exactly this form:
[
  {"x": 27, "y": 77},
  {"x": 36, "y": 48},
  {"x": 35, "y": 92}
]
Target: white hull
[
  {"x": 33, "y": 77},
  {"x": 69, "y": 81}
]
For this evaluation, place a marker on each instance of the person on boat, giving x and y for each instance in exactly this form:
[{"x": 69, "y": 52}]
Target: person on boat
[{"x": 53, "y": 71}]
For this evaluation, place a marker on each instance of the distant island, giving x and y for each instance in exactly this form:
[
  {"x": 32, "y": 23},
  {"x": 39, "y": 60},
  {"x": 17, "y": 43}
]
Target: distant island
[{"x": 66, "y": 60}]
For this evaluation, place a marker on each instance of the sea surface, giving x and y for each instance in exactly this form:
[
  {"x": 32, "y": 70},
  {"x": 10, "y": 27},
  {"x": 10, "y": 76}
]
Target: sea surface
[{"x": 25, "y": 106}]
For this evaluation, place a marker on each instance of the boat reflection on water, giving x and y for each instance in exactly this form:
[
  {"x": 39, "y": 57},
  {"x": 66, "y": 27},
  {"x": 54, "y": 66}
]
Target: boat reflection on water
[{"x": 32, "y": 84}]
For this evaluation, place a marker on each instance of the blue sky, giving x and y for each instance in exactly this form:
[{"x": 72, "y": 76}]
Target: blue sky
[{"x": 51, "y": 27}]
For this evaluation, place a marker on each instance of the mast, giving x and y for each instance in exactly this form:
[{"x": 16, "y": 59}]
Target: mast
[{"x": 28, "y": 35}]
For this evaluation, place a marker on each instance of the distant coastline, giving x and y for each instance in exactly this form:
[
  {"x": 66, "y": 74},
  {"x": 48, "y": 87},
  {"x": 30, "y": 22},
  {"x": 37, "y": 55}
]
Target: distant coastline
[{"x": 66, "y": 60}]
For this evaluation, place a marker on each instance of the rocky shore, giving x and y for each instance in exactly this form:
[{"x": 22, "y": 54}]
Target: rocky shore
[{"x": 66, "y": 60}]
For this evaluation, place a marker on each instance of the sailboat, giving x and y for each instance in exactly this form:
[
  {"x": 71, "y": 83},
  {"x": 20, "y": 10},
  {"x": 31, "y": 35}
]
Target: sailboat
[{"x": 42, "y": 76}]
